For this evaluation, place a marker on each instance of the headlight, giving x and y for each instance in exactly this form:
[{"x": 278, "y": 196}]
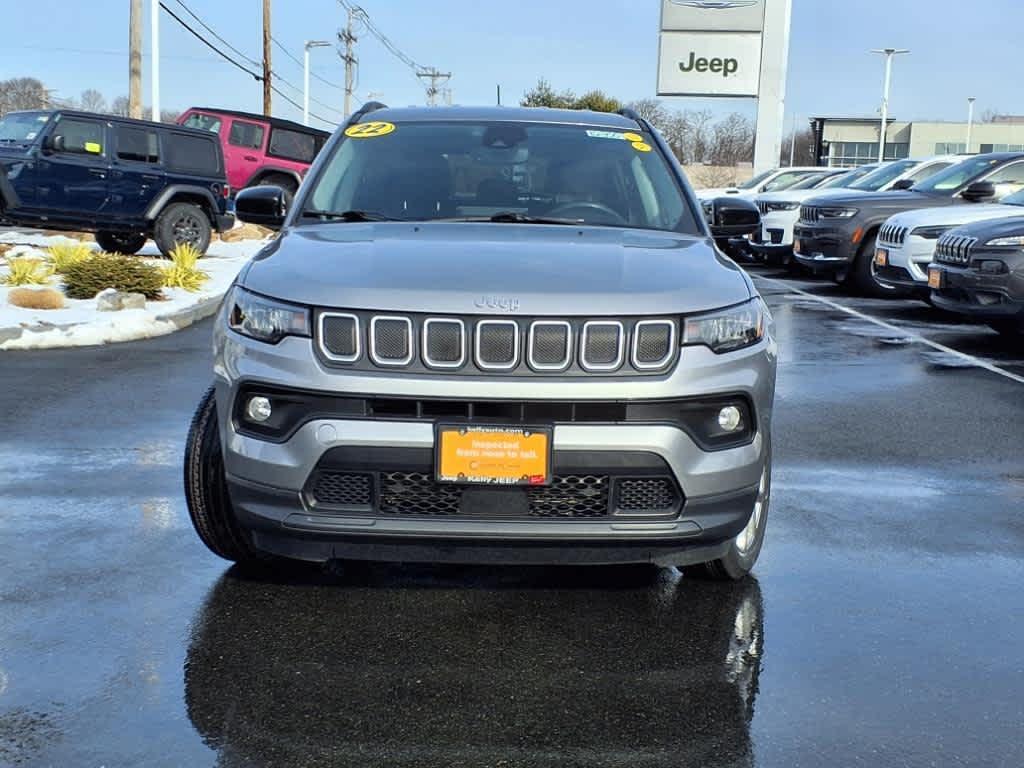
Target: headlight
[
  {"x": 727, "y": 330},
  {"x": 265, "y": 319},
  {"x": 1009, "y": 242},
  {"x": 782, "y": 206},
  {"x": 838, "y": 213},
  {"x": 930, "y": 233}
]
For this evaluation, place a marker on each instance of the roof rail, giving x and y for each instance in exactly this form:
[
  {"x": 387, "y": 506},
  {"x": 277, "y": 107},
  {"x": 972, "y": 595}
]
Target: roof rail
[{"x": 367, "y": 108}]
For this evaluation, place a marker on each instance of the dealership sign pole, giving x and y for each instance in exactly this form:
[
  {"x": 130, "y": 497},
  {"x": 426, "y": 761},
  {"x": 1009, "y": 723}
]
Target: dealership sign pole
[{"x": 729, "y": 48}]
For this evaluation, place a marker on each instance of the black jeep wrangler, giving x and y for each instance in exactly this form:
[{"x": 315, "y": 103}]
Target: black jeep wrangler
[{"x": 125, "y": 180}]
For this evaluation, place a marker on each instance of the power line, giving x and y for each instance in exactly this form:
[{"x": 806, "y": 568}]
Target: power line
[
  {"x": 312, "y": 73},
  {"x": 254, "y": 75},
  {"x": 209, "y": 29}
]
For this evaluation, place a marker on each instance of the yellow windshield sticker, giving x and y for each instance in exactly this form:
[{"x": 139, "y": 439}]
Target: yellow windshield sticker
[
  {"x": 369, "y": 130},
  {"x": 93, "y": 148},
  {"x": 641, "y": 146},
  {"x": 632, "y": 137}
]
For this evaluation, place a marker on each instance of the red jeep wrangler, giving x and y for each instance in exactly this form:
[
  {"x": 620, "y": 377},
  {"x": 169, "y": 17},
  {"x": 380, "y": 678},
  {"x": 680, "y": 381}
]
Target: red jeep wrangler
[{"x": 257, "y": 149}]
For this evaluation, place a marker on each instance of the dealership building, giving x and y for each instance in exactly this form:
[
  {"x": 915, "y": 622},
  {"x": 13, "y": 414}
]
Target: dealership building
[{"x": 849, "y": 141}]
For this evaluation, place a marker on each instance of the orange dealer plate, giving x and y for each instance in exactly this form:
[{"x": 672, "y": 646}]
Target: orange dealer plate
[{"x": 493, "y": 455}]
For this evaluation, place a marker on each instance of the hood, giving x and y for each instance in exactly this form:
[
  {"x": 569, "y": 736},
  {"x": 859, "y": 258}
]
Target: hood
[
  {"x": 900, "y": 200},
  {"x": 990, "y": 230},
  {"x": 470, "y": 268},
  {"x": 708, "y": 194},
  {"x": 955, "y": 215}
]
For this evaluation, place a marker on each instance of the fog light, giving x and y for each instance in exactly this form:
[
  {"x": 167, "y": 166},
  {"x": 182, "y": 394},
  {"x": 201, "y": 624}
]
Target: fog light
[
  {"x": 729, "y": 418},
  {"x": 258, "y": 409}
]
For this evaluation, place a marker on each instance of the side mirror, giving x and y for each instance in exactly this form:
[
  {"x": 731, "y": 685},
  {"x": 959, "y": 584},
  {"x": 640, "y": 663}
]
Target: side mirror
[
  {"x": 979, "y": 190},
  {"x": 53, "y": 144},
  {"x": 733, "y": 217},
  {"x": 266, "y": 206},
  {"x": 903, "y": 184}
]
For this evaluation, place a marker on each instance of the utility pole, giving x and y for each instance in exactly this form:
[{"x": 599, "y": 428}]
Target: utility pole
[
  {"x": 154, "y": 65},
  {"x": 348, "y": 39},
  {"x": 792, "y": 143},
  {"x": 889, "y": 53},
  {"x": 970, "y": 122},
  {"x": 305, "y": 89},
  {"x": 135, "y": 60},
  {"x": 267, "y": 93},
  {"x": 435, "y": 77}
]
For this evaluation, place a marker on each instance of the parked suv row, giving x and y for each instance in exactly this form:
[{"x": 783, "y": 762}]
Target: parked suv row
[{"x": 125, "y": 180}]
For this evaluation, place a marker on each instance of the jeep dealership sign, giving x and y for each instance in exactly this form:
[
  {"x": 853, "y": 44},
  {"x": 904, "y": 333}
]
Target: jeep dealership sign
[
  {"x": 729, "y": 48},
  {"x": 709, "y": 64}
]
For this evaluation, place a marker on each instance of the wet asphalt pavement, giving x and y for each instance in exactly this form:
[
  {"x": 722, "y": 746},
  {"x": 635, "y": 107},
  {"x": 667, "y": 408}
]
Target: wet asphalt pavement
[{"x": 883, "y": 627}]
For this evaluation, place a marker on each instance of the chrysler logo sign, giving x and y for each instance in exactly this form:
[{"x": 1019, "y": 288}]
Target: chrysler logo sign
[{"x": 709, "y": 5}]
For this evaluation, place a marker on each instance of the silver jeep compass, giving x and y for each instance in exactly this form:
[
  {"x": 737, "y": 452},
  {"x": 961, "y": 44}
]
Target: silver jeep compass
[{"x": 489, "y": 334}]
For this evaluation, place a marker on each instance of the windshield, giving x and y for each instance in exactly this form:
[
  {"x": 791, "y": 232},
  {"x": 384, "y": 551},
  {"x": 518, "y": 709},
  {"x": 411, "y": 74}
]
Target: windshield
[
  {"x": 957, "y": 175},
  {"x": 883, "y": 176},
  {"x": 1017, "y": 198},
  {"x": 475, "y": 170},
  {"x": 22, "y": 127},
  {"x": 813, "y": 181},
  {"x": 755, "y": 181}
]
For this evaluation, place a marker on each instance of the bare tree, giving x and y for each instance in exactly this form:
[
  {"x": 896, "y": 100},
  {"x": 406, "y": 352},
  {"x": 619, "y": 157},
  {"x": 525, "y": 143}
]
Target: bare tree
[
  {"x": 92, "y": 100},
  {"x": 732, "y": 141},
  {"x": 23, "y": 93},
  {"x": 653, "y": 111},
  {"x": 804, "y": 149},
  {"x": 119, "y": 106}
]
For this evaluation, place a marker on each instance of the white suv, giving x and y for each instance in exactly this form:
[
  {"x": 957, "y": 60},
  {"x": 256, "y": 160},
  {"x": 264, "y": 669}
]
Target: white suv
[
  {"x": 769, "y": 181},
  {"x": 906, "y": 242}
]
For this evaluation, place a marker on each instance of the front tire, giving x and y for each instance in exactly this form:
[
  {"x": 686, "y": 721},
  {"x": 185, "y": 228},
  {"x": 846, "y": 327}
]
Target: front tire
[
  {"x": 861, "y": 274},
  {"x": 114, "y": 242},
  {"x": 744, "y": 550},
  {"x": 287, "y": 183},
  {"x": 206, "y": 491},
  {"x": 182, "y": 223}
]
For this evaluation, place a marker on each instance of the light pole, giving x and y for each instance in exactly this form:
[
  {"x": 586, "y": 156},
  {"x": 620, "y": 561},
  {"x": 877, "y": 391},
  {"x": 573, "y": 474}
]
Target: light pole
[
  {"x": 970, "y": 122},
  {"x": 889, "y": 53},
  {"x": 154, "y": 64},
  {"x": 305, "y": 90}
]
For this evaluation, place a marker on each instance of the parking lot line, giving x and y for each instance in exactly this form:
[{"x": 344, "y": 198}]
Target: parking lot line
[{"x": 977, "y": 361}]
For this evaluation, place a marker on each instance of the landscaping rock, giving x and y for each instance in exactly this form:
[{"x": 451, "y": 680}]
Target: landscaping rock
[
  {"x": 133, "y": 301},
  {"x": 246, "y": 232},
  {"x": 110, "y": 300}
]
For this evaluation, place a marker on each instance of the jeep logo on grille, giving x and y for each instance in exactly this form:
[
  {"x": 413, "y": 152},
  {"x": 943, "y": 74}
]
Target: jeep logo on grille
[{"x": 499, "y": 303}]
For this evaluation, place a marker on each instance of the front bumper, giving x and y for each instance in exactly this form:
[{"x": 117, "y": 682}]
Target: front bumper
[
  {"x": 776, "y": 235},
  {"x": 270, "y": 482},
  {"x": 907, "y": 263},
  {"x": 822, "y": 249},
  {"x": 969, "y": 291}
]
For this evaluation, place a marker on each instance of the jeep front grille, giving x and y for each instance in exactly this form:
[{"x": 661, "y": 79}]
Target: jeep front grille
[
  {"x": 810, "y": 213},
  {"x": 513, "y": 347},
  {"x": 891, "y": 234},
  {"x": 954, "y": 249}
]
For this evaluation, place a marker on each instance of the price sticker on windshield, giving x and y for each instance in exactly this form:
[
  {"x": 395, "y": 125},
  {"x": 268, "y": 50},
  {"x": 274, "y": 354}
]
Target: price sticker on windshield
[{"x": 369, "y": 130}]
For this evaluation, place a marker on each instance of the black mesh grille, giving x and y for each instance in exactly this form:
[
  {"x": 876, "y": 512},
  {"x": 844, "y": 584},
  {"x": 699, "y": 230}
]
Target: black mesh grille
[
  {"x": 444, "y": 342},
  {"x": 343, "y": 489},
  {"x": 653, "y": 343},
  {"x": 602, "y": 346},
  {"x": 653, "y": 494},
  {"x": 391, "y": 339},
  {"x": 339, "y": 336},
  {"x": 550, "y": 344},
  {"x": 569, "y": 496},
  {"x": 497, "y": 344}
]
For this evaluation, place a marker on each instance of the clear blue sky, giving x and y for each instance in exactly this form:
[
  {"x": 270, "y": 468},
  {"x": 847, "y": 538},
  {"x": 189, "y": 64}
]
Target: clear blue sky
[{"x": 578, "y": 44}]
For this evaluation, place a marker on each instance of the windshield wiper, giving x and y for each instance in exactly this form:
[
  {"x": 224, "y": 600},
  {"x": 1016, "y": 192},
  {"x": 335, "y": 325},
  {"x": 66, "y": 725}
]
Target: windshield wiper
[
  {"x": 347, "y": 215},
  {"x": 513, "y": 217}
]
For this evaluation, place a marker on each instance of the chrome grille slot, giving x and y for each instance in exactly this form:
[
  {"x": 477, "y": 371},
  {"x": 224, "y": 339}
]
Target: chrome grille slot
[
  {"x": 954, "y": 249},
  {"x": 603, "y": 345},
  {"x": 550, "y": 345},
  {"x": 810, "y": 213},
  {"x": 444, "y": 342},
  {"x": 654, "y": 343},
  {"x": 892, "y": 234},
  {"x": 339, "y": 336},
  {"x": 497, "y": 345},
  {"x": 391, "y": 340}
]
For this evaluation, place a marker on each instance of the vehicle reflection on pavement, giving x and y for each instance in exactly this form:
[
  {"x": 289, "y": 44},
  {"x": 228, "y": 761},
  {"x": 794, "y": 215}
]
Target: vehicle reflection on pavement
[{"x": 434, "y": 666}]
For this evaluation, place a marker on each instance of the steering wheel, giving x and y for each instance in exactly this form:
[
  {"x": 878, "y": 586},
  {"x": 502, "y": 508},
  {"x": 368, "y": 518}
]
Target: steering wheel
[{"x": 565, "y": 211}]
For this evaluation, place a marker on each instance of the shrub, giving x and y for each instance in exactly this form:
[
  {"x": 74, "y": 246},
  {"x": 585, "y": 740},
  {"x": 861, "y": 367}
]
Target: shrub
[
  {"x": 183, "y": 273},
  {"x": 25, "y": 271},
  {"x": 63, "y": 255},
  {"x": 111, "y": 270},
  {"x": 36, "y": 298}
]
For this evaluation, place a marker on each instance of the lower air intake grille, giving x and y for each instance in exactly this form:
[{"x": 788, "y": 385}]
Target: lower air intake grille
[
  {"x": 652, "y": 494},
  {"x": 416, "y": 493},
  {"x": 343, "y": 489}
]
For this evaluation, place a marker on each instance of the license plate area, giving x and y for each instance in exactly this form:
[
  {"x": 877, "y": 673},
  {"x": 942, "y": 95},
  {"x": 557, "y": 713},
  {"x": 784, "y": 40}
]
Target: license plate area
[
  {"x": 935, "y": 278},
  {"x": 483, "y": 454},
  {"x": 882, "y": 257}
]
